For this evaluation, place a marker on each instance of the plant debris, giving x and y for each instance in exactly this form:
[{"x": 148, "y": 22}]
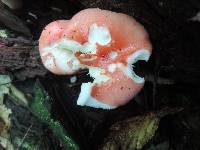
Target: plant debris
[
  {"x": 135, "y": 132},
  {"x": 5, "y": 122}
]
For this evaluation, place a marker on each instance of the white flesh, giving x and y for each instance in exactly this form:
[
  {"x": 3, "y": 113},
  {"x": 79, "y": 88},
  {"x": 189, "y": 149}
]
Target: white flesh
[{"x": 142, "y": 54}]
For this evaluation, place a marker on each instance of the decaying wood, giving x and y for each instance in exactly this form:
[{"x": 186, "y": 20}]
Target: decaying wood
[
  {"x": 23, "y": 60},
  {"x": 20, "y": 41}
]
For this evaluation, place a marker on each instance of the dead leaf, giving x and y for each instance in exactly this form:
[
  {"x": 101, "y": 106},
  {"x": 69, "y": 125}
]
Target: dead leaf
[{"x": 134, "y": 133}]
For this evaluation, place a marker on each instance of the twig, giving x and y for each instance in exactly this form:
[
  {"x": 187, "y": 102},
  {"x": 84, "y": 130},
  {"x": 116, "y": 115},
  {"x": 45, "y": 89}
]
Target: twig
[{"x": 25, "y": 135}]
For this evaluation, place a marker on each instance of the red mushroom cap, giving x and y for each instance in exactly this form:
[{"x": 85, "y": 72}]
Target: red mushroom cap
[{"x": 105, "y": 42}]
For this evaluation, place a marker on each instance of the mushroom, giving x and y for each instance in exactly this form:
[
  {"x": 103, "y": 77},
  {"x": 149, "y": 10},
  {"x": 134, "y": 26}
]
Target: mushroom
[{"x": 104, "y": 42}]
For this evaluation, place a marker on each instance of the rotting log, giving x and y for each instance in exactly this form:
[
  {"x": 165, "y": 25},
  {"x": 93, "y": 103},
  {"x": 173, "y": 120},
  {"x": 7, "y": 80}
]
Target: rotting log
[{"x": 23, "y": 60}]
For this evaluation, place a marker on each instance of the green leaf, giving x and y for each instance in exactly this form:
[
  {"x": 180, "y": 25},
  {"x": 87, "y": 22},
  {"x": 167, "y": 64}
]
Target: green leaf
[{"x": 40, "y": 106}]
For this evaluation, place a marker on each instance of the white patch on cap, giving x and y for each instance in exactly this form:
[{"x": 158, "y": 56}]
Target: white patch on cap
[
  {"x": 88, "y": 48},
  {"x": 63, "y": 59},
  {"x": 69, "y": 45},
  {"x": 98, "y": 74},
  {"x": 113, "y": 54},
  {"x": 142, "y": 54},
  {"x": 99, "y": 34},
  {"x": 49, "y": 62},
  {"x": 85, "y": 98},
  {"x": 113, "y": 67}
]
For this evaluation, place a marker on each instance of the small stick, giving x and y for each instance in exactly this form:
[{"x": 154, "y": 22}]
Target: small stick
[{"x": 25, "y": 135}]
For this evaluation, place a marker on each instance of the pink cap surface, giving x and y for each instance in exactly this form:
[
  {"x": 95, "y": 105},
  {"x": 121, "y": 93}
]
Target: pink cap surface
[{"x": 118, "y": 40}]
